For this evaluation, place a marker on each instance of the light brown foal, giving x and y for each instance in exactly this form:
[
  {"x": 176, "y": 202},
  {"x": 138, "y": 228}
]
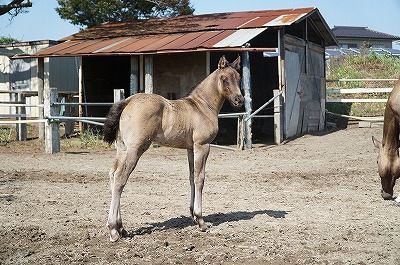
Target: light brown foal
[
  {"x": 190, "y": 123},
  {"x": 388, "y": 158}
]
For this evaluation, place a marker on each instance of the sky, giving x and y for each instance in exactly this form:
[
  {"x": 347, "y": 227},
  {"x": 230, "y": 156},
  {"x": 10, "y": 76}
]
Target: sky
[{"x": 43, "y": 23}]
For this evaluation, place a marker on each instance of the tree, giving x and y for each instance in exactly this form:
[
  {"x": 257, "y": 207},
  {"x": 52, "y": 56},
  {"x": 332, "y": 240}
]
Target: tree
[
  {"x": 7, "y": 40},
  {"x": 14, "y": 7},
  {"x": 89, "y": 13}
]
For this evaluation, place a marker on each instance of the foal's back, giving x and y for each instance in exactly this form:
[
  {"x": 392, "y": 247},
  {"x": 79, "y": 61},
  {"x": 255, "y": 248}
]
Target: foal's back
[{"x": 175, "y": 123}]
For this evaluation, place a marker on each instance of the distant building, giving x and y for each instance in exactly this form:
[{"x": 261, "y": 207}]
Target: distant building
[
  {"x": 360, "y": 37},
  {"x": 21, "y": 75}
]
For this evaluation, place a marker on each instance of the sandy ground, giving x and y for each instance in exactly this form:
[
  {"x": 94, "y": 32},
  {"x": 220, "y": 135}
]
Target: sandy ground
[{"x": 313, "y": 200}]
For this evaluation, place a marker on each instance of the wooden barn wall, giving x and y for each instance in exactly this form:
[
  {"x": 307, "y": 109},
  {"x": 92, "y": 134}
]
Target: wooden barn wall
[
  {"x": 305, "y": 84},
  {"x": 176, "y": 74}
]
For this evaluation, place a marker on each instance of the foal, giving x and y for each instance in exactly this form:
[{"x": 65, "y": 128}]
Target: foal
[
  {"x": 190, "y": 123},
  {"x": 388, "y": 158}
]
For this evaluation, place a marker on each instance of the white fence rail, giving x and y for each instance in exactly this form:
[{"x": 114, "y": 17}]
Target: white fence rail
[
  {"x": 363, "y": 90},
  {"x": 359, "y": 91}
]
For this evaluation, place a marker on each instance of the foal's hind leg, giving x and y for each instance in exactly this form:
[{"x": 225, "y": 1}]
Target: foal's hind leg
[{"x": 118, "y": 179}]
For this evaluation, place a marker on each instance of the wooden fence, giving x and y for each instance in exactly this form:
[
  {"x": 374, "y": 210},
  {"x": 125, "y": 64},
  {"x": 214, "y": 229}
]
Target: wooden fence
[{"x": 334, "y": 89}]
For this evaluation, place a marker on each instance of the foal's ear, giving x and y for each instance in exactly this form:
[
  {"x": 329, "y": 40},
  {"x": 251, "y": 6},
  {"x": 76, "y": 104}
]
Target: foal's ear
[
  {"x": 236, "y": 64},
  {"x": 376, "y": 142},
  {"x": 222, "y": 62}
]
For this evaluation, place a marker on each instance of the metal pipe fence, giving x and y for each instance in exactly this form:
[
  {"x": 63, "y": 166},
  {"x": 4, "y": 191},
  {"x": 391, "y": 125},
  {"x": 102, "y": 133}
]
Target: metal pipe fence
[{"x": 51, "y": 108}]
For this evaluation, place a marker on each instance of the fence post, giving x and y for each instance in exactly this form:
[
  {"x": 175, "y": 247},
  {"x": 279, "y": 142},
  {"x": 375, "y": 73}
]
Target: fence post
[
  {"x": 21, "y": 127},
  {"x": 52, "y": 130},
  {"x": 118, "y": 95},
  {"x": 278, "y": 123},
  {"x": 240, "y": 132}
]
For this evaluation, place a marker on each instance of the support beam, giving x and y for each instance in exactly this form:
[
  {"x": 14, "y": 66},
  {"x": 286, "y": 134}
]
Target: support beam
[
  {"x": 80, "y": 90},
  {"x": 281, "y": 78},
  {"x": 134, "y": 76},
  {"x": 148, "y": 74},
  {"x": 246, "y": 86},
  {"x": 208, "y": 64}
]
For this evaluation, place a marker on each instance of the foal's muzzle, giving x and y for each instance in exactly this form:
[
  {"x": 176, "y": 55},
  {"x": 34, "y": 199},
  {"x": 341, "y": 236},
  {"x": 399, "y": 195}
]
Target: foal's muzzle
[
  {"x": 386, "y": 196},
  {"x": 237, "y": 101}
]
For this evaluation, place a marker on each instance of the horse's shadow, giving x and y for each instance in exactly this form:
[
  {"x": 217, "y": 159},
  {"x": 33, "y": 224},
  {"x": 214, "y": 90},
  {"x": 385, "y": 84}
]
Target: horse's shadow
[{"x": 215, "y": 219}]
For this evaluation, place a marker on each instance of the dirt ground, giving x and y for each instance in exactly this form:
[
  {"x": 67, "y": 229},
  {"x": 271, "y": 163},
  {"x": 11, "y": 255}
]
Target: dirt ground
[{"x": 314, "y": 200}]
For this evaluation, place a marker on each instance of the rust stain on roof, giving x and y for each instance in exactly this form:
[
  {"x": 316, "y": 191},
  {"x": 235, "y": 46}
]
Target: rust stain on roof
[{"x": 169, "y": 34}]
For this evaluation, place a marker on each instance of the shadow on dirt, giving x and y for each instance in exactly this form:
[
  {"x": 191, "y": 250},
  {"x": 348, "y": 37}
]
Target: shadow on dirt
[{"x": 216, "y": 219}]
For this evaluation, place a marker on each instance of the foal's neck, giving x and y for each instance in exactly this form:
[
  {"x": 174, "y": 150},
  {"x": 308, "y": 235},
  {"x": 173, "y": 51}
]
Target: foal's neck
[
  {"x": 207, "y": 94},
  {"x": 390, "y": 139}
]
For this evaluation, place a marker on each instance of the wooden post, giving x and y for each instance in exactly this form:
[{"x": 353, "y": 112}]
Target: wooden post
[
  {"x": 281, "y": 79},
  {"x": 69, "y": 110},
  {"x": 208, "y": 64},
  {"x": 40, "y": 83},
  {"x": 134, "y": 77},
  {"x": 21, "y": 127},
  {"x": 240, "y": 132},
  {"x": 246, "y": 86},
  {"x": 80, "y": 93},
  {"x": 278, "y": 126},
  {"x": 118, "y": 95},
  {"x": 148, "y": 74},
  {"x": 52, "y": 131}
]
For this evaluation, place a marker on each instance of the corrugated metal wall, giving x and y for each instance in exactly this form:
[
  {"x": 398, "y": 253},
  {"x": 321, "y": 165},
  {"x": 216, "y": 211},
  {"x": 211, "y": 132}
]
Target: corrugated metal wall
[{"x": 21, "y": 74}]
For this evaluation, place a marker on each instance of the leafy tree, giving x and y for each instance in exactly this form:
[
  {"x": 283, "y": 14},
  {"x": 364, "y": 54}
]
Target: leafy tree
[
  {"x": 7, "y": 40},
  {"x": 14, "y": 7},
  {"x": 89, "y": 13}
]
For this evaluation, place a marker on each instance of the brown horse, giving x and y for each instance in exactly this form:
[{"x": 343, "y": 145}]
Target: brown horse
[
  {"x": 190, "y": 123},
  {"x": 388, "y": 158}
]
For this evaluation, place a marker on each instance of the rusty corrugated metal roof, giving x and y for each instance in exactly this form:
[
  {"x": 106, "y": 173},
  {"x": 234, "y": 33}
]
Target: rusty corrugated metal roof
[{"x": 184, "y": 33}]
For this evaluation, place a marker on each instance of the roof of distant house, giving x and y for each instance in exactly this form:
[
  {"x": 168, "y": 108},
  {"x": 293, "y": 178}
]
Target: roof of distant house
[{"x": 361, "y": 32}]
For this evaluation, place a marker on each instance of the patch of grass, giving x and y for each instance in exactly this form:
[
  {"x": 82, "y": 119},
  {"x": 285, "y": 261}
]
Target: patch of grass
[
  {"x": 364, "y": 66},
  {"x": 90, "y": 138},
  {"x": 7, "y": 135}
]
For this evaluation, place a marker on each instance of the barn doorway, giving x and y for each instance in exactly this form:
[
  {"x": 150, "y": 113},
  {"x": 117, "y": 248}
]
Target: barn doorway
[
  {"x": 101, "y": 75},
  {"x": 264, "y": 79}
]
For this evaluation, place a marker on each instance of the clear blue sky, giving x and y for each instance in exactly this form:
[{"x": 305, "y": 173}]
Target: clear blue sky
[{"x": 42, "y": 22}]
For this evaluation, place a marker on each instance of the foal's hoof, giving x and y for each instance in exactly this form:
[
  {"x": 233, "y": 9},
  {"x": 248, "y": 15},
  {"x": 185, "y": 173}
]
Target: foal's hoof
[
  {"x": 203, "y": 227},
  {"x": 115, "y": 235}
]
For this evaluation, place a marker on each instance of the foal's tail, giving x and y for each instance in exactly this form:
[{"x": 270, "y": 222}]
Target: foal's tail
[{"x": 112, "y": 121}]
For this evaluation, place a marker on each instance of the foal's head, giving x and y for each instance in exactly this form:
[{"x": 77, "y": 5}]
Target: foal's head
[
  {"x": 388, "y": 169},
  {"x": 229, "y": 81}
]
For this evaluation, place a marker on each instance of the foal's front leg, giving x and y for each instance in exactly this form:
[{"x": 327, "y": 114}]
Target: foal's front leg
[
  {"x": 200, "y": 158},
  {"x": 190, "y": 155}
]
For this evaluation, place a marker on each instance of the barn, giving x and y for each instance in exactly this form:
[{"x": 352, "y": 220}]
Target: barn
[{"x": 282, "y": 53}]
